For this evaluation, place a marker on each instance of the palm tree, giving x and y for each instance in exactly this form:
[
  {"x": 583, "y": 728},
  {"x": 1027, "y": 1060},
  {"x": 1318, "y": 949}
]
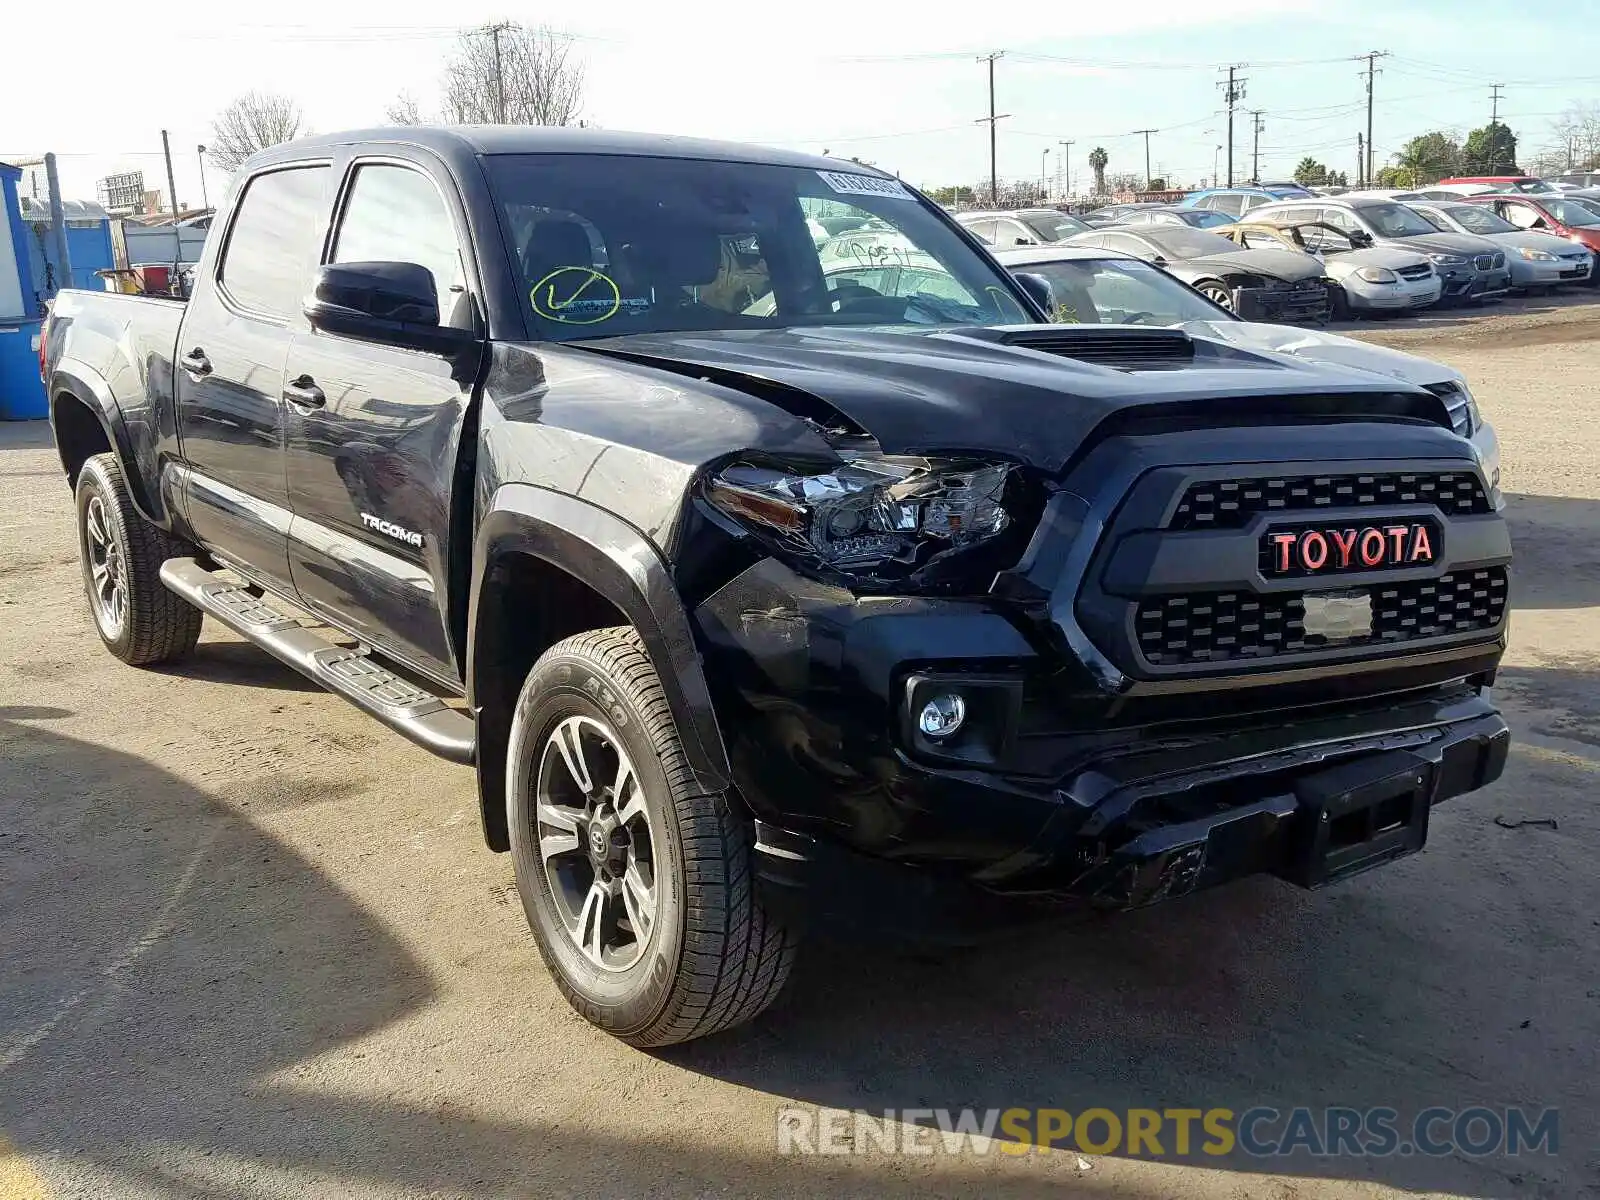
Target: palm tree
[{"x": 1098, "y": 158}]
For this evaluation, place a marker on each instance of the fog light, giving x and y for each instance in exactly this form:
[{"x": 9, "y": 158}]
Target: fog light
[{"x": 942, "y": 715}]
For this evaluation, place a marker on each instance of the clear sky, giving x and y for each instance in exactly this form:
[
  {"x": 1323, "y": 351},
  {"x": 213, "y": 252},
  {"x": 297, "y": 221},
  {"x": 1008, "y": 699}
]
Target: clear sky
[{"x": 895, "y": 83}]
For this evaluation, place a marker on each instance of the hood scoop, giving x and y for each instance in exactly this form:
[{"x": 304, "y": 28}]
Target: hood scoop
[{"x": 1127, "y": 348}]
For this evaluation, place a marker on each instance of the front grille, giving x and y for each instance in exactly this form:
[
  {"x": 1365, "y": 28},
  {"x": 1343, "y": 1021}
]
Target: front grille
[
  {"x": 1488, "y": 262},
  {"x": 1231, "y": 503},
  {"x": 1214, "y": 627},
  {"x": 1421, "y": 271}
]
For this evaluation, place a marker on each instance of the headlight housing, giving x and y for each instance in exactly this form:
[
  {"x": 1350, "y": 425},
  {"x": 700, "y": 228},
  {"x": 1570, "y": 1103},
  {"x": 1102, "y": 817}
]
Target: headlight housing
[
  {"x": 1533, "y": 255},
  {"x": 1448, "y": 260},
  {"x": 1377, "y": 275},
  {"x": 875, "y": 518}
]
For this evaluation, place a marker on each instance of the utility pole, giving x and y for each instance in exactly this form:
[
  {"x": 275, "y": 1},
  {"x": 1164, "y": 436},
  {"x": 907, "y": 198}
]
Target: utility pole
[
  {"x": 1147, "y": 133},
  {"x": 58, "y": 225},
  {"x": 1044, "y": 186},
  {"x": 1494, "y": 119},
  {"x": 1066, "y": 167},
  {"x": 172, "y": 186},
  {"x": 494, "y": 31},
  {"x": 993, "y": 118},
  {"x": 1233, "y": 94},
  {"x": 1361, "y": 161},
  {"x": 1255, "y": 147},
  {"x": 1372, "y": 56}
]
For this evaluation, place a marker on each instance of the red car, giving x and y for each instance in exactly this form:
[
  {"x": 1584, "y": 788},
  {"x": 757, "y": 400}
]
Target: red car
[
  {"x": 1548, "y": 214},
  {"x": 1506, "y": 183}
]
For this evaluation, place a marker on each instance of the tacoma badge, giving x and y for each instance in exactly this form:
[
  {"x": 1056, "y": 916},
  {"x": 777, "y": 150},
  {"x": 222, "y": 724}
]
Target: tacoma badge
[{"x": 390, "y": 529}]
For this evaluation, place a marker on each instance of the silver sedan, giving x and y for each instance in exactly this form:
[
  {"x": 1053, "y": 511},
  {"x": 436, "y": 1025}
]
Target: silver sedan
[{"x": 1536, "y": 259}]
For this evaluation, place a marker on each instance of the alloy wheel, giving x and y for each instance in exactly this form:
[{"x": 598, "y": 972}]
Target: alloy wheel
[
  {"x": 597, "y": 843},
  {"x": 108, "y": 590}
]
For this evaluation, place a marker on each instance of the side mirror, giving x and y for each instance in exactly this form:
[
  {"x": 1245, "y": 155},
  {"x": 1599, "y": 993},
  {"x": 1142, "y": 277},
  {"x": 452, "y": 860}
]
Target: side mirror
[
  {"x": 1026, "y": 242},
  {"x": 1360, "y": 239},
  {"x": 1158, "y": 261},
  {"x": 1039, "y": 291},
  {"x": 393, "y": 303}
]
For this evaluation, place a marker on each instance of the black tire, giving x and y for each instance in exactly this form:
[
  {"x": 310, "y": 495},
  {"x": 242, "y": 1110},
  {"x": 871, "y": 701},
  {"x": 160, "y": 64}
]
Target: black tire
[
  {"x": 712, "y": 958},
  {"x": 1338, "y": 305},
  {"x": 155, "y": 626}
]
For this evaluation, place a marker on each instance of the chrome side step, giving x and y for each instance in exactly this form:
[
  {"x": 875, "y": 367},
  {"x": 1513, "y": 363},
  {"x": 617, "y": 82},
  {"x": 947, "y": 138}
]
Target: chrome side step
[{"x": 398, "y": 703}]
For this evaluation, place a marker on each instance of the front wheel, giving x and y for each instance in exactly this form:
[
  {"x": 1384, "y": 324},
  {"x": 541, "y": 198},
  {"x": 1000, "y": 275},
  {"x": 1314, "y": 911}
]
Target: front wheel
[
  {"x": 1216, "y": 293},
  {"x": 138, "y": 619},
  {"x": 638, "y": 887}
]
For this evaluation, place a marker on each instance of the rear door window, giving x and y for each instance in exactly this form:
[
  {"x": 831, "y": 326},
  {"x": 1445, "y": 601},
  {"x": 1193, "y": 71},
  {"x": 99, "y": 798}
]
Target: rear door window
[
  {"x": 275, "y": 239},
  {"x": 1232, "y": 203}
]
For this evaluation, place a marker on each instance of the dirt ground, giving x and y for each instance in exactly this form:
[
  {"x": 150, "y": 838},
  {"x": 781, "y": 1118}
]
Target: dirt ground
[{"x": 252, "y": 945}]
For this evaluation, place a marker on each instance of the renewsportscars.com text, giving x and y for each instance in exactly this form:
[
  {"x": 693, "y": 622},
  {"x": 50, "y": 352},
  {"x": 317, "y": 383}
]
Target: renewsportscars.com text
[{"x": 1261, "y": 1132}]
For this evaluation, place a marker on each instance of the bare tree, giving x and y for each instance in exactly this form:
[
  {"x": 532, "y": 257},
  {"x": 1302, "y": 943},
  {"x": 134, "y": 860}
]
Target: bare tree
[
  {"x": 513, "y": 74},
  {"x": 404, "y": 111},
  {"x": 253, "y": 122},
  {"x": 1578, "y": 131}
]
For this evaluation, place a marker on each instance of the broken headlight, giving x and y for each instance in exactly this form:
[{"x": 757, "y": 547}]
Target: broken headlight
[{"x": 872, "y": 514}]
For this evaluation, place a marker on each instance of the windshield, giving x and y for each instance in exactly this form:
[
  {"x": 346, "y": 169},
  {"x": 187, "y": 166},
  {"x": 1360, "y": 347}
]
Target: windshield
[
  {"x": 1183, "y": 242},
  {"x": 1207, "y": 218},
  {"x": 1053, "y": 227},
  {"x": 1395, "y": 220},
  {"x": 607, "y": 245},
  {"x": 1120, "y": 291},
  {"x": 1570, "y": 213},
  {"x": 1478, "y": 219},
  {"x": 1536, "y": 186}
]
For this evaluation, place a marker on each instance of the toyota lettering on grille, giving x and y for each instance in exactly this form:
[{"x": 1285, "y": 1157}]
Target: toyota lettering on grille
[{"x": 1325, "y": 550}]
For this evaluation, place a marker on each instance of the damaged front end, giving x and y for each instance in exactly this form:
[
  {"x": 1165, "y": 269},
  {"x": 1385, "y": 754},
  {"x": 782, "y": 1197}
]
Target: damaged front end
[{"x": 948, "y": 684}]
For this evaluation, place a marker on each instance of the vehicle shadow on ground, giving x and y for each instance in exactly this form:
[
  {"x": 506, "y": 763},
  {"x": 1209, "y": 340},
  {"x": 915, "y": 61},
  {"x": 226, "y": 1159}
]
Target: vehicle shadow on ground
[
  {"x": 238, "y": 662},
  {"x": 1255, "y": 995},
  {"x": 177, "y": 981},
  {"x": 1556, "y": 562}
]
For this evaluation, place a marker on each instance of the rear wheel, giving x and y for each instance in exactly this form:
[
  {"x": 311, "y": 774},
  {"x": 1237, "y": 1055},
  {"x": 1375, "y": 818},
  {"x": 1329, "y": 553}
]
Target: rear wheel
[
  {"x": 638, "y": 887},
  {"x": 138, "y": 619}
]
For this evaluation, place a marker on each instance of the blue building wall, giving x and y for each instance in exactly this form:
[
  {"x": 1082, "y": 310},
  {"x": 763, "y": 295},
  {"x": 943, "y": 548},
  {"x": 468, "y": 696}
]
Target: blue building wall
[{"x": 21, "y": 392}]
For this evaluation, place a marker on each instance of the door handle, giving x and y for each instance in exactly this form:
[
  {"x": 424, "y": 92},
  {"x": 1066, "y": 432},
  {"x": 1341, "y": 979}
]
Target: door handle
[
  {"x": 196, "y": 363},
  {"x": 304, "y": 392}
]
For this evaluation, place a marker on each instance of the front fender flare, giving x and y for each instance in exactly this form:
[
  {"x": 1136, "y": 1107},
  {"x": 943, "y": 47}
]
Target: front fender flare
[{"x": 620, "y": 563}]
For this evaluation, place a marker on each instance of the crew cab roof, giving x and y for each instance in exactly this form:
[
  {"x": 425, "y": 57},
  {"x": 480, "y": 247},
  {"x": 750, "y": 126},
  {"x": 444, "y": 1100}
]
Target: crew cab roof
[{"x": 454, "y": 141}]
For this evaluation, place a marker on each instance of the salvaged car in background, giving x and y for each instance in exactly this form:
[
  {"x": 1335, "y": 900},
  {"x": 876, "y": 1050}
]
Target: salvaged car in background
[
  {"x": 1368, "y": 278},
  {"x": 1259, "y": 285},
  {"x": 1536, "y": 258},
  {"x": 1469, "y": 267}
]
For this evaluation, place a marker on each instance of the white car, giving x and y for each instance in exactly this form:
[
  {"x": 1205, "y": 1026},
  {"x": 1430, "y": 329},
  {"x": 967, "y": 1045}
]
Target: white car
[
  {"x": 1102, "y": 286},
  {"x": 1536, "y": 259}
]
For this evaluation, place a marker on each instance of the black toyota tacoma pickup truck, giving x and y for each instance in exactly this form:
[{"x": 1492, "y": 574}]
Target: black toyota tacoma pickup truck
[{"x": 762, "y": 594}]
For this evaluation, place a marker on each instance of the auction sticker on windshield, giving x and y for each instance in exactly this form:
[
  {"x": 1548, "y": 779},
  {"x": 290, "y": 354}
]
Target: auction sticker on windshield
[{"x": 847, "y": 184}]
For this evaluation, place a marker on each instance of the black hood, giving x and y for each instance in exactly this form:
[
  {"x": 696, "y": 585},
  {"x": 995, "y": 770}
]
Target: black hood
[
  {"x": 1295, "y": 266},
  {"x": 980, "y": 390}
]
